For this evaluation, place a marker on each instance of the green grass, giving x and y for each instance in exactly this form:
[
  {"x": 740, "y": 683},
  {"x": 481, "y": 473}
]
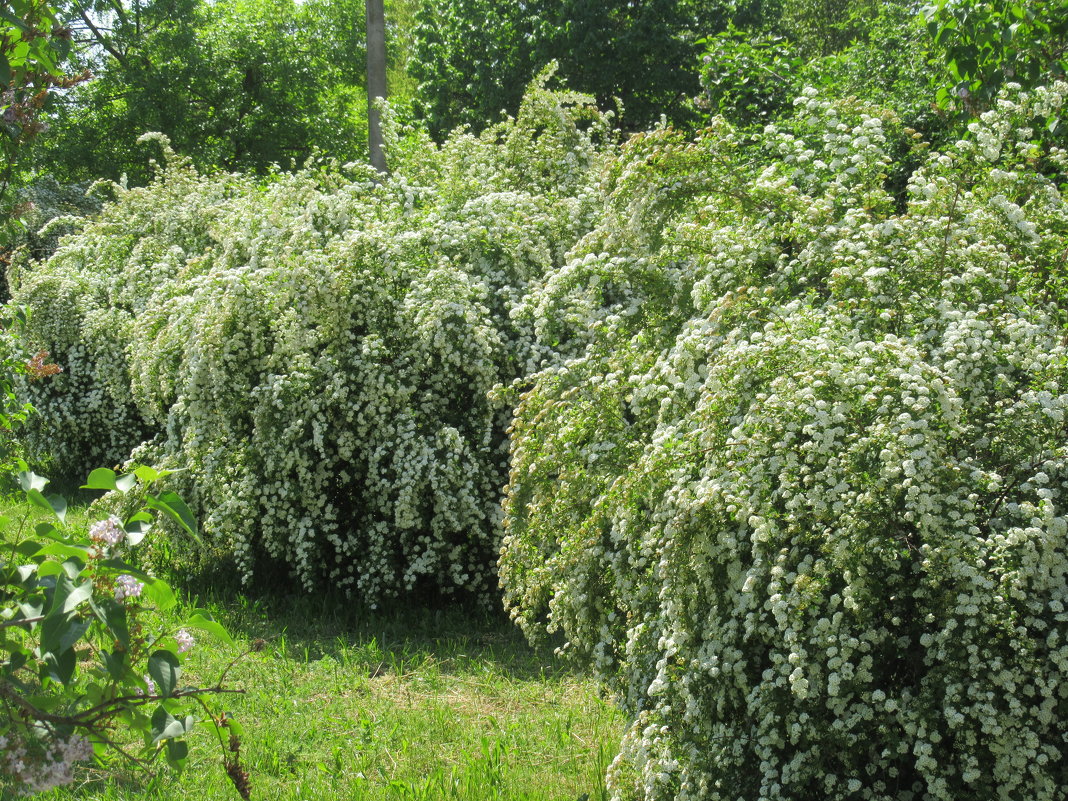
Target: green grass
[{"x": 407, "y": 704}]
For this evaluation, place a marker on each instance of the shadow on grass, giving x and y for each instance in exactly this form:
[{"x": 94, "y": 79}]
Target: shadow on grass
[{"x": 408, "y": 633}]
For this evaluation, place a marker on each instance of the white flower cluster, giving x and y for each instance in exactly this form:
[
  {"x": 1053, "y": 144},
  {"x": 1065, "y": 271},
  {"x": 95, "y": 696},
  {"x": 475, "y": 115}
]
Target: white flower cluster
[
  {"x": 107, "y": 532},
  {"x": 126, "y": 586},
  {"x": 43, "y": 765},
  {"x": 797, "y": 486},
  {"x": 318, "y": 351},
  {"x": 185, "y": 641}
]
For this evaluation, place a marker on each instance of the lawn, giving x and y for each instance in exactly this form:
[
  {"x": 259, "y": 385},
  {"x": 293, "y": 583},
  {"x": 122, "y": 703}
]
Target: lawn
[{"x": 408, "y": 703}]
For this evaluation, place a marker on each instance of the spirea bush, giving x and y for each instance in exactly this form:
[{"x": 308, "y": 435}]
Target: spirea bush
[
  {"x": 796, "y": 485},
  {"x": 318, "y": 348}
]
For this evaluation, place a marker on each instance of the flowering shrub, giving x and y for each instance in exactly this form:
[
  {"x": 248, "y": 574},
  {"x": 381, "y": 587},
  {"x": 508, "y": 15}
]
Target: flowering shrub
[
  {"x": 795, "y": 487},
  {"x": 317, "y": 349},
  {"x": 82, "y": 652}
]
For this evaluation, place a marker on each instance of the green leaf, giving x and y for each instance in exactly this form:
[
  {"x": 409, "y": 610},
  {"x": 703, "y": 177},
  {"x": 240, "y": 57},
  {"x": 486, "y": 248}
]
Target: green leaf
[
  {"x": 28, "y": 548},
  {"x": 125, "y": 483},
  {"x": 59, "y": 633},
  {"x": 150, "y": 474},
  {"x": 160, "y": 593},
  {"x": 115, "y": 664},
  {"x": 174, "y": 507},
  {"x": 113, "y": 615},
  {"x": 122, "y": 566},
  {"x": 65, "y": 551},
  {"x": 137, "y": 527},
  {"x": 46, "y": 529},
  {"x": 77, "y": 596},
  {"x": 60, "y": 666},
  {"x": 72, "y": 634},
  {"x": 16, "y": 662},
  {"x": 165, "y": 726},
  {"x": 202, "y": 620},
  {"x": 165, "y": 670},
  {"x": 59, "y": 506},
  {"x": 102, "y": 478},
  {"x": 50, "y": 568},
  {"x": 37, "y": 499},
  {"x": 29, "y": 480},
  {"x": 177, "y": 753},
  {"x": 31, "y": 609}
]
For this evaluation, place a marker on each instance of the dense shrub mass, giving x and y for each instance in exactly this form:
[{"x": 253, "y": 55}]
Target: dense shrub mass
[
  {"x": 788, "y": 448},
  {"x": 318, "y": 348},
  {"x": 795, "y": 486}
]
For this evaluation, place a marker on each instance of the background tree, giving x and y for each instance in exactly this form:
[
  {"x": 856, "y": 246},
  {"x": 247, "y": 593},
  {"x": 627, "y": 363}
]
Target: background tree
[
  {"x": 473, "y": 58},
  {"x": 33, "y": 44},
  {"x": 236, "y": 85},
  {"x": 981, "y": 45}
]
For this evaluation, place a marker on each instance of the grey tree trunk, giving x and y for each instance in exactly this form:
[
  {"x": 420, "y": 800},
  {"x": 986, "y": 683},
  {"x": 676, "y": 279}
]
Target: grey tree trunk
[{"x": 376, "y": 80}]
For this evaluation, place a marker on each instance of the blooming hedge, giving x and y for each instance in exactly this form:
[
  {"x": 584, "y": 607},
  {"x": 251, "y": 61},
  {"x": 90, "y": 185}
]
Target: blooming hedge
[
  {"x": 795, "y": 487},
  {"x": 787, "y": 447},
  {"x": 318, "y": 348}
]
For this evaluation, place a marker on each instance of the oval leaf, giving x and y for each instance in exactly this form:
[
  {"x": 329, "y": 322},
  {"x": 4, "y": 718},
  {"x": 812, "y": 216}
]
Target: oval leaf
[
  {"x": 102, "y": 479},
  {"x": 160, "y": 593},
  {"x": 202, "y": 620},
  {"x": 164, "y": 669},
  {"x": 165, "y": 726}
]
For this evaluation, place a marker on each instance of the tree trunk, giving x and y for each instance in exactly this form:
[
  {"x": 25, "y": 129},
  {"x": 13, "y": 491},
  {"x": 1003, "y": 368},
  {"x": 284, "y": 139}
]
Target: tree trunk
[{"x": 376, "y": 80}]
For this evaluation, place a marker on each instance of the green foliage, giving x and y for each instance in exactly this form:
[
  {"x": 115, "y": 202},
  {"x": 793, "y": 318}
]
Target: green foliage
[
  {"x": 823, "y": 27},
  {"x": 235, "y": 85},
  {"x": 472, "y": 58},
  {"x": 33, "y": 45},
  {"x": 83, "y": 654},
  {"x": 318, "y": 348},
  {"x": 748, "y": 78},
  {"x": 13, "y": 411},
  {"x": 795, "y": 485},
  {"x": 984, "y": 45}
]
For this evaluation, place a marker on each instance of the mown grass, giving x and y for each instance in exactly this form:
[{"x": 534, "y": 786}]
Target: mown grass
[{"x": 414, "y": 703}]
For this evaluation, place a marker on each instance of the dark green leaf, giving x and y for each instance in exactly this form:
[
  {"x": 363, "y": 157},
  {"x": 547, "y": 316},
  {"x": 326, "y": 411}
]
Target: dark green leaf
[
  {"x": 73, "y": 634},
  {"x": 77, "y": 596},
  {"x": 16, "y": 661},
  {"x": 177, "y": 753},
  {"x": 115, "y": 664},
  {"x": 28, "y": 548},
  {"x": 60, "y": 666},
  {"x": 165, "y": 726},
  {"x": 46, "y": 529},
  {"x": 113, "y": 615},
  {"x": 164, "y": 669}
]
